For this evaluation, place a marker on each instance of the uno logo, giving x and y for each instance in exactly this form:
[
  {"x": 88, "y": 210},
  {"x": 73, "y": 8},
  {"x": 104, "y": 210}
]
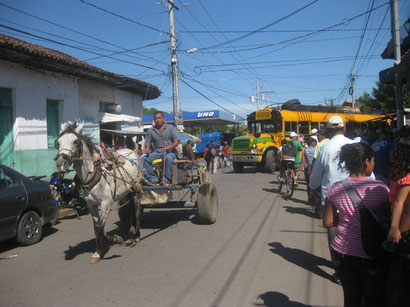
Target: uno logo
[{"x": 205, "y": 114}]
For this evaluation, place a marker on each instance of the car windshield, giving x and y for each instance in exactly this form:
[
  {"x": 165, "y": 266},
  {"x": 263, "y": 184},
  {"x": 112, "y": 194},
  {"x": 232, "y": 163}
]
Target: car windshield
[{"x": 265, "y": 126}]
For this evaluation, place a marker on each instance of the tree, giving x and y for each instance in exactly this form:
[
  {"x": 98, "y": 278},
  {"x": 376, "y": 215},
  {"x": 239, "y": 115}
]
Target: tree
[
  {"x": 382, "y": 99},
  {"x": 150, "y": 111}
]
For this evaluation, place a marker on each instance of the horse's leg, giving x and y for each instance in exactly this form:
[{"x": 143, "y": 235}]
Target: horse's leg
[
  {"x": 95, "y": 258},
  {"x": 138, "y": 215},
  {"x": 104, "y": 211}
]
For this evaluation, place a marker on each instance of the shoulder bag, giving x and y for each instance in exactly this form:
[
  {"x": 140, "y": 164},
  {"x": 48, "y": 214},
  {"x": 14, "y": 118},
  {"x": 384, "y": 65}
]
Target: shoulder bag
[{"x": 375, "y": 223}]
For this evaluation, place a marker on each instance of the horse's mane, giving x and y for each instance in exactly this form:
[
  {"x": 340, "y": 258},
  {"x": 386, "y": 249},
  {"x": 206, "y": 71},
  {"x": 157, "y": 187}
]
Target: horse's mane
[{"x": 86, "y": 138}]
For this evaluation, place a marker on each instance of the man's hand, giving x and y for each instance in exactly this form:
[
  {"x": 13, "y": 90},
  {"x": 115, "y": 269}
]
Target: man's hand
[{"x": 168, "y": 148}]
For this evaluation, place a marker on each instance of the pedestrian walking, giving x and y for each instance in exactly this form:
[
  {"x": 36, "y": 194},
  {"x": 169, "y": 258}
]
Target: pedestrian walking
[
  {"x": 361, "y": 276},
  {"x": 213, "y": 150}
]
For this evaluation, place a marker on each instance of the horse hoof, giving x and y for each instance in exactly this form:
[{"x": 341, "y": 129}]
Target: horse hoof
[
  {"x": 95, "y": 258},
  {"x": 118, "y": 240},
  {"x": 133, "y": 231},
  {"x": 134, "y": 242}
]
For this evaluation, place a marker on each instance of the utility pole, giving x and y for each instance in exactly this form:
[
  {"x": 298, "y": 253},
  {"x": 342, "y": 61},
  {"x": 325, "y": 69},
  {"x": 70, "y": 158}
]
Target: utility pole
[
  {"x": 174, "y": 64},
  {"x": 352, "y": 90},
  {"x": 257, "y": 95},
  {"x": 394, "y": 11}
]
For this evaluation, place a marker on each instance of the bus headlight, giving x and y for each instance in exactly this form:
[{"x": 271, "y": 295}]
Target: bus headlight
[{"x": 254, "y": 150}]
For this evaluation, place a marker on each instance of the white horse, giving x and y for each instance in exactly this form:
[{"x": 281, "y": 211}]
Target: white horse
[{"x": 106, "y": 180}]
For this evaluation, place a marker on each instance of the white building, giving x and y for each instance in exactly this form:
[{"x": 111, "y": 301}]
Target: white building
[{"x": 41, "y": 88}]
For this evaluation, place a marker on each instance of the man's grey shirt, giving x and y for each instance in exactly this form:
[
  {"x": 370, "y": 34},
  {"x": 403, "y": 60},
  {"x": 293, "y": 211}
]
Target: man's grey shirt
[{"x": 157, "y": 140}]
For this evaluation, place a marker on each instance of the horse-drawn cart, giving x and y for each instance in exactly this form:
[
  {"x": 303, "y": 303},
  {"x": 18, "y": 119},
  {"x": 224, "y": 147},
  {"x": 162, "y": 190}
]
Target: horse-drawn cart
[
  {"x": 109, "y": 177},
  {"x": 191, "y": 188}
]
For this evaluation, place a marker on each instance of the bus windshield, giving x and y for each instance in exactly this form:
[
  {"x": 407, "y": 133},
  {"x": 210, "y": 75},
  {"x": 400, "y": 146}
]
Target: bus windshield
[{"x": 265, "y": 126}]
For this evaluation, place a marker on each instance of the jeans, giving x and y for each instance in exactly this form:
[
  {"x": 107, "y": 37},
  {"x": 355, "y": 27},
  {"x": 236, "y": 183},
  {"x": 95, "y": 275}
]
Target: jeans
[
  {"x": 361, "y": 278},
  {"x": 149, "y": 173},
  {"x": 214, "y": 164}
]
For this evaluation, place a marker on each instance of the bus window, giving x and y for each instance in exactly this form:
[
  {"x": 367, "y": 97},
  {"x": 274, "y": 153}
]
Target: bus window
[
  {"x": 304, "y": 128},
  {"x": 314, "y": 126},
  {"x": 255, "y": 127},
  {"x": 322, "y": 125},
  {"x": 290, "y": 126}
]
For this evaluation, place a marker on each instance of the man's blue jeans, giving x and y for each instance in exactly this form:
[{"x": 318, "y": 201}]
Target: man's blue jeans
[{"x": 149, "y": 173}]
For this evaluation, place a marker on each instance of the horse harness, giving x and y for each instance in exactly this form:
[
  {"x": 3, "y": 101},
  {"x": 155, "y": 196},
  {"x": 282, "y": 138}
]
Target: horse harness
[{"x": 110, "y": 160}]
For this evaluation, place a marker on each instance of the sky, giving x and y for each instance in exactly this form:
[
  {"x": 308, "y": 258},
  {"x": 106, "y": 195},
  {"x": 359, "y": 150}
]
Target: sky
[{"x": 304, "y": 49}]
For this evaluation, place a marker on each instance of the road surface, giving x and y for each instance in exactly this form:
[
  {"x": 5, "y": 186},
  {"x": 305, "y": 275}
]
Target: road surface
[{"x": 263, "y": 250}]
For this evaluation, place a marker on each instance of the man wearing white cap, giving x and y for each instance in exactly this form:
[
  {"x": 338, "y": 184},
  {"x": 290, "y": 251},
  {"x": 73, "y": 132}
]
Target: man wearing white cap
[
  {"x": 326, "y": 170},
  {"x": 314, "y": 134}
]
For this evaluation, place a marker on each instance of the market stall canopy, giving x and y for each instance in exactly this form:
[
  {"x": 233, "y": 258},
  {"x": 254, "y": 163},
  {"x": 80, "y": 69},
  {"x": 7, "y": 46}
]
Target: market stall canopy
[
  {"x": 123, "y": 132},
  {"x": 118, "y": 118},
  {"x": 199, "y": 119}
]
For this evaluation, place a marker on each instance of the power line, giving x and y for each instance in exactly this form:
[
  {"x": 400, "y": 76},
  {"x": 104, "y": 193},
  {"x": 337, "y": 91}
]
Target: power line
[
  {"x": 128, "y": 50},
  {"x": 344, "y": 21},
  {"x": 123, "y": 17},
  {"x": 199, "y": 70},
  {"x": 262, "y": 28},
  {"x": 75, "y": 47},
  {"x": 207, "y": 98},
  {"x": 71, "y": 30},
  {"x": 273, "y": 31}
]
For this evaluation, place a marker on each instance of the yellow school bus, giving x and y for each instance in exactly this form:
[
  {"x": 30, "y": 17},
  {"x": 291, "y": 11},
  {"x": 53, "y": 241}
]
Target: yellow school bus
[{"x": 268, "y": 127}]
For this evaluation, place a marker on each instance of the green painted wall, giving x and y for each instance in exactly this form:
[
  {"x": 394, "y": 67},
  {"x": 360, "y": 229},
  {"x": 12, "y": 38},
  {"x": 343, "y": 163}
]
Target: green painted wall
[{"x": 35, "y": 162}]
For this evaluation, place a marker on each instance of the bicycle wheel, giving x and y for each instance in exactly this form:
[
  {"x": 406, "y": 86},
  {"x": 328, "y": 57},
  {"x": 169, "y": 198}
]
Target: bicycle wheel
[
  {"x": 290, "y": 183},
  {"x": 280, "y": 182}
]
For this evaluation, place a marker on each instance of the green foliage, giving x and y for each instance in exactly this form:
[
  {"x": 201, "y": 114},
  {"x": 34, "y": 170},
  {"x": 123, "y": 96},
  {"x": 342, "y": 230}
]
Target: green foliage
[
  {"x": 220, "y": 128},
  {"x": 150, "y": 111},
  {"x": 382, "y": 99}
]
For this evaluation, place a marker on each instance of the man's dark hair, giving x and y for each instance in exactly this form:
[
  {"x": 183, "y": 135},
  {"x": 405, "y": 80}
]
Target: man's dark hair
[
  {"x": 332, "y": 131},
  {"x": 323, "y": 131},
  {"x": 311, "y": 141},
  {"x": 159, "y": 112}
]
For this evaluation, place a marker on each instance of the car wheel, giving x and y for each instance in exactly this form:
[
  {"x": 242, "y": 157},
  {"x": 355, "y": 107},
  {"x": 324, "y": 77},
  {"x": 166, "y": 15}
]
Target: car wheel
[{"x": 29, "y": 229}]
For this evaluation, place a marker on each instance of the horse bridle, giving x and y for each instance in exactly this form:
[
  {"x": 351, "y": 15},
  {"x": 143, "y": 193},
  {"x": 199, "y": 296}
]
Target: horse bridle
[{"x": 77, "y": 145}]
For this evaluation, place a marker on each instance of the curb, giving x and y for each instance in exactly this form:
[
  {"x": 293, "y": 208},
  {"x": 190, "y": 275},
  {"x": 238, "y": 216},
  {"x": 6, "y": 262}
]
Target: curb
[{"x": 65, "y": 212}]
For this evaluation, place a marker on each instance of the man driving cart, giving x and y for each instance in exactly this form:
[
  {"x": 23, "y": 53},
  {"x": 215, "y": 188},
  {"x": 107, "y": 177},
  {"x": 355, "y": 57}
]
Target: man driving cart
[{"x": 160, "y": 142}]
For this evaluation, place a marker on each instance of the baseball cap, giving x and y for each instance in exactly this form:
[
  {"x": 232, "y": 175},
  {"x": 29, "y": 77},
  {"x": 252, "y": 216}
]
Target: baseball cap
[
  {"x": 335, "y": 122},
  {"x": 314, "y": 130},
  {"x": 293, "y": 134}
]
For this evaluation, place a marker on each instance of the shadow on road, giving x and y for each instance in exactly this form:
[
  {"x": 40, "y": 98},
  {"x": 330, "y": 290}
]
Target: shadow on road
[
  {"x": 274, "y": 299},
  {"x": 159, "y": 220},
  {"x": 303, "y": 211},
  {"x": 302, "y": 259},
  {"x": 12, "y": 243}
]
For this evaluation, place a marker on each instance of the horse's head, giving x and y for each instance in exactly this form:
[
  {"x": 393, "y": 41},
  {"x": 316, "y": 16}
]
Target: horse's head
[{"x": 68, "y": 145}]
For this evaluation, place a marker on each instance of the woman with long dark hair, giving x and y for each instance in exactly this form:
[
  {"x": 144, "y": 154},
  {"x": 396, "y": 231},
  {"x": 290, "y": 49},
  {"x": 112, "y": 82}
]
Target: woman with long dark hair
[{"x": 360, "y": 275}]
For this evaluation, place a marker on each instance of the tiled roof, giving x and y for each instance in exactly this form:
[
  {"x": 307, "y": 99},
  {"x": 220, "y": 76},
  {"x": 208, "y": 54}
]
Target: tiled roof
[{"x": 32, "y": 55}]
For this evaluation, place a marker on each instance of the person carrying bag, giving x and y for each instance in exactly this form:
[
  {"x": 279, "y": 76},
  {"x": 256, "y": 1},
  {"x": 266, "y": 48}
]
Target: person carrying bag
[{"x": 361, "y": 275}]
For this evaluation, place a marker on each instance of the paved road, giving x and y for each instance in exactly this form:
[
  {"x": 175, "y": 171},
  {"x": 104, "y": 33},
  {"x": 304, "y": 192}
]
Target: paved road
[{"x": 262, "y": 251}]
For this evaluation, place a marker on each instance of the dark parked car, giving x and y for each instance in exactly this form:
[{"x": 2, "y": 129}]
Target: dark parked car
[{"x": 25, "y": 207}]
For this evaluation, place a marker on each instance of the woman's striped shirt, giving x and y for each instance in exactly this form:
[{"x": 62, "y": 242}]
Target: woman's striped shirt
[{"x": 373, "y": 193}]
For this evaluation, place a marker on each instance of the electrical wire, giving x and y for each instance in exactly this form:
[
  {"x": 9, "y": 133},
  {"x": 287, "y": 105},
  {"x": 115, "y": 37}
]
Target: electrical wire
[
  {"x": 123, "y": 17},
  {"x": 76, "y": 48},
  {"x": 262, "y": 28},
  {"x": 71, "y": 30},
  {"x": 207, "y": 98}
]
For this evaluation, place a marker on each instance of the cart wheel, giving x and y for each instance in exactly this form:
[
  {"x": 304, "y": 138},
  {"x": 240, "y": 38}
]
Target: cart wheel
[{"x": 207, "y": 203}]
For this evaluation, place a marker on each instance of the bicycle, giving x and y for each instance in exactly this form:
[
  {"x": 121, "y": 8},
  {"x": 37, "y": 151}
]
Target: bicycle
[{"x": 287, "y": 177}]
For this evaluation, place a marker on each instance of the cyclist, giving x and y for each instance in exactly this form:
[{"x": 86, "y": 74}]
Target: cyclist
[
  {"x": 298, "y": 148},
  {"x": 287, "y": 151}
]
